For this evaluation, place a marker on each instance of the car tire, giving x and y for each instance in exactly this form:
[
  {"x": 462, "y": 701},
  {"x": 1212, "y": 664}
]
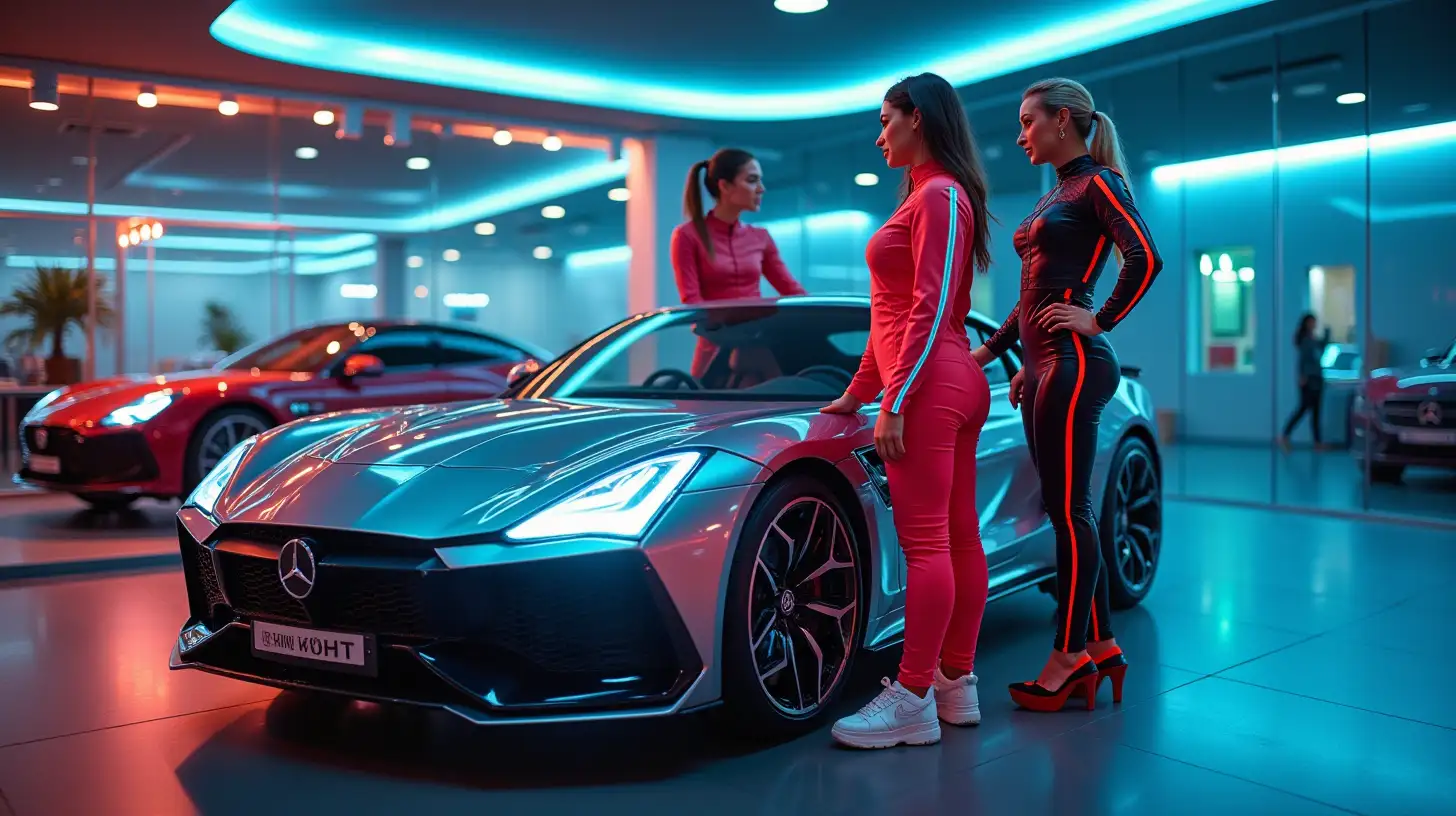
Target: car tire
[
  {"x": 108, "y": 502},
  {"x": 1132, "y": 522},
  {"x": 1386, "y": 474},
  {"x": 750, "y": 708},
  {"x": 243, "y": 420}
]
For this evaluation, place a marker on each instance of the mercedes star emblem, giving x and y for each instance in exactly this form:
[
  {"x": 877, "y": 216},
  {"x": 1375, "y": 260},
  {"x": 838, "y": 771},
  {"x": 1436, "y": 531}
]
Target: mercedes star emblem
[
  {"x": 296, "y": 568},
  {"x": 1429, "y": 413},
  {"x": 41, "y": 437}
]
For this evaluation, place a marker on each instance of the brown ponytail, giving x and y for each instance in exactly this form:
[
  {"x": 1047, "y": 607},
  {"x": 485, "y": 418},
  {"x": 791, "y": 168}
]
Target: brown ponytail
[{"x": 725, "y": 165}]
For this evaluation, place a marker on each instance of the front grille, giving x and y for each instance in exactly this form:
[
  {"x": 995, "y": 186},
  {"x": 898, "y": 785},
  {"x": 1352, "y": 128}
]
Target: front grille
[
  {"x": 1407, "y": 413},
  {"x": 122, "y": 456},
  {"x": 586, "y": 613}
]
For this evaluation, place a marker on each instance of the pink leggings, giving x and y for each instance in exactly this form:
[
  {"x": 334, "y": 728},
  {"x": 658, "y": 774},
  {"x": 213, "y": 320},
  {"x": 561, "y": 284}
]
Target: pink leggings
[{"x": 933, "y": 490}]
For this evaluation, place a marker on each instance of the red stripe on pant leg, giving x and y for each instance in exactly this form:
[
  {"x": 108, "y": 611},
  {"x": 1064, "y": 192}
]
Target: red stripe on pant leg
[
  {"x": 1067, "y": 478},
  {"x": 1096, "y": 630}
]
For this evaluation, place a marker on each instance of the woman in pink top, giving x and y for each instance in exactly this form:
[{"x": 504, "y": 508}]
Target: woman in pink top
[
  {"x": 714, "y": 255},
  {"x": 935, "y": 400}
]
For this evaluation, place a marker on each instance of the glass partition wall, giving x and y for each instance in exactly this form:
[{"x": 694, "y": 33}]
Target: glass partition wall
[{"x": 1287, "y": 176}]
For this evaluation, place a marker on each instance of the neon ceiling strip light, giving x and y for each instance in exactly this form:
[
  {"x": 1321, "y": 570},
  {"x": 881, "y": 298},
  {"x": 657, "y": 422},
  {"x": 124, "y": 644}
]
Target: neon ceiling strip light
[
  {"x": 1316, "y": 153},
  {"x": 301, "y": 267},
  {"x": 781, "y": 229},
  {"x": 297, "y": 192},
  {"x": 263, "y": 246},
  {"x": 255, "y": 27},
  {"x": 498, "y": 202}
]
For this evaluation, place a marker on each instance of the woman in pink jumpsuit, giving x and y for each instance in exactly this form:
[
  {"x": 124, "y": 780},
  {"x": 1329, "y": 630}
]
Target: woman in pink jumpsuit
[
  {"x": 714, "y": 255},
  {"x": 935, "y": 401}
]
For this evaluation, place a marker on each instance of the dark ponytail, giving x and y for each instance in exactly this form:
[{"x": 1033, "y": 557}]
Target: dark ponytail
[{"x": 725, "y": 165}]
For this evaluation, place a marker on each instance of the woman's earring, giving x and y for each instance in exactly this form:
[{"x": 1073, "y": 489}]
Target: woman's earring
[{"x": 1061, "y": 134}]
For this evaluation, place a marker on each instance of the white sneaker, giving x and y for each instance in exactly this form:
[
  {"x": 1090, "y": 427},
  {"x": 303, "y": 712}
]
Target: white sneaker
[
  {"x": 894, "y": 717},
  {"x": 956, "y": 701}
]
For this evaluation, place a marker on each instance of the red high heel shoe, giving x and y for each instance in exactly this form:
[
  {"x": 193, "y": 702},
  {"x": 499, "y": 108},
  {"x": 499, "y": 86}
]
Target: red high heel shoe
[
  {"x": 1113, "y": 666},
  {"x": 1083, "y": 679}
]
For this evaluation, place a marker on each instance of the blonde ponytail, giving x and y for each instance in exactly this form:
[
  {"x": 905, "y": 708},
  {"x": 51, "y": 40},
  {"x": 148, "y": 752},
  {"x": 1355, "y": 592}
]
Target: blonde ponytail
[{"x": 1105, "y": 147}]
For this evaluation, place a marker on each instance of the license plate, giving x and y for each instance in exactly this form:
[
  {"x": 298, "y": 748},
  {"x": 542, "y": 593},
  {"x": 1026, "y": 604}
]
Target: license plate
[
  {"x": 1427, "y": 437},
  {"x": 49, "y": 465},
  {"x": 343, "y": 651}
]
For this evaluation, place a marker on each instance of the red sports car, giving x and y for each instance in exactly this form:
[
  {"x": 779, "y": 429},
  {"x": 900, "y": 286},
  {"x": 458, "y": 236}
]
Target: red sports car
[
  {"x": 113, "y": 441},
  {"x": 1409, "y": 416}
]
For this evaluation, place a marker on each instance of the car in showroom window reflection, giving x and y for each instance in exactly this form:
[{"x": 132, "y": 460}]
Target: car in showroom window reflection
[
  {"x": 616, "y": 536},
  {"x": 1406, "y": 417},
  {"x": 114, "y": 440}
]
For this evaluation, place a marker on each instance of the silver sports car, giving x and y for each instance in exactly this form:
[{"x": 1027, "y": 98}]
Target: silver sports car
[{"x": 616, "y": 536}]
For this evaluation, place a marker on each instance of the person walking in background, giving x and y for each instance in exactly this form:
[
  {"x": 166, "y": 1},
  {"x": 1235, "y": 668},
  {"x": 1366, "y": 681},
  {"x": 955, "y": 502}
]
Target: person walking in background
[
  {"x": 715, "y": 256},
  {"x": 1311, "y": 380},
  {"x": 1070, "y": 370},
  {"x": 935, "y": 403}
]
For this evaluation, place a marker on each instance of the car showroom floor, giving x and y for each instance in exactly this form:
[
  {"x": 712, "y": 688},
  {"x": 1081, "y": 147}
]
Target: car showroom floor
[{"x": 1283, "y": 664}]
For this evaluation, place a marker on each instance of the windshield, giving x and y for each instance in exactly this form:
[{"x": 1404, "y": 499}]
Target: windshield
[
  {"x": 307, "y": 349},
  {"x": 769, "y": 353}
]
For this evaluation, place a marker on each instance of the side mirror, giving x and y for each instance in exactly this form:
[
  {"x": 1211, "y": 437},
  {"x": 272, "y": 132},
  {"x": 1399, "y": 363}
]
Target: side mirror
[{"x": 362, "y": 365}]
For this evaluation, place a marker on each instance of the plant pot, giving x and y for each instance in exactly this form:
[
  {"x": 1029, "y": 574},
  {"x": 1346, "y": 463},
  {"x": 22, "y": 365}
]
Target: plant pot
[{"x": 62, "y": 370}]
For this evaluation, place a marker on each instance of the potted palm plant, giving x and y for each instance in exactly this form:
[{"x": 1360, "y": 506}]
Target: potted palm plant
[
  {"x": 221, "y": 328},
  {"x": 52, "y": 300}
]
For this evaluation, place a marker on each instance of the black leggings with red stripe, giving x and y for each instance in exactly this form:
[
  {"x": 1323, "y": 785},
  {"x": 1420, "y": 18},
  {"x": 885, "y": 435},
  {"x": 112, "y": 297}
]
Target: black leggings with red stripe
[{"x": 1069, "y": 380}]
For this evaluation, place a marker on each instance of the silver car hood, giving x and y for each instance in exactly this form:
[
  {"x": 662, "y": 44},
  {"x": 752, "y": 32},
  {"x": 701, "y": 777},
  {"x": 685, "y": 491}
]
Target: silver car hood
[{"x": 462, "y": 469}]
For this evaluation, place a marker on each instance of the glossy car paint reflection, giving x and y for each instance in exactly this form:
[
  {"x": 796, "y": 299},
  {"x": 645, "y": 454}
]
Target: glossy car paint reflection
[
  {"x": 1407, "y": 417},
  {"x": 446, "y": 482}
]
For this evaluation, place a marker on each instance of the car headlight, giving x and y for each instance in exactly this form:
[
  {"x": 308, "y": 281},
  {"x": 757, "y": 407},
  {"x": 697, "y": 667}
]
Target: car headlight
[
  {"x": 139, "y": 411},
  {"x": 620, "y": 505},
  {"x": 204, "y": 497}
]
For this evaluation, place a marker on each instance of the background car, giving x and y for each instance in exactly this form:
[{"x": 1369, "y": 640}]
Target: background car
[
  {"x": 112, "y": 441},
  {"x": 1407, "y": 416},
  {"x": 615, "y": 537}
]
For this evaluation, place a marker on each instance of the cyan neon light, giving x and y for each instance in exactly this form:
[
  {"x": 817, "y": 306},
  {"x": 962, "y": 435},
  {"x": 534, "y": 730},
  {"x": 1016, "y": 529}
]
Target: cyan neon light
[
  {"x": 264, "y": 189},
  {"x": 513, "y": 197},
  {"x": 1316, "y": 153},
  {"x": 1385, "y": 214},
  {"x": 306, "y": 266},
  {"x": 300, "y": 246},
  {"x": 288, "y": 32},
  {"x": 782, "y": 230}
]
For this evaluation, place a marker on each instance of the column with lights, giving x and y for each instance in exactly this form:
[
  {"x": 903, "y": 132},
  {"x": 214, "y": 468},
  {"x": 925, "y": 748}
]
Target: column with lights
[{"x": 132, "y": 233}]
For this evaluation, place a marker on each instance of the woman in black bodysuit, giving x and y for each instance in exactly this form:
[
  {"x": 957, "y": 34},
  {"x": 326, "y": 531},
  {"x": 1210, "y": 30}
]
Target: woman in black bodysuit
[{"x": 1070, "y": 370}]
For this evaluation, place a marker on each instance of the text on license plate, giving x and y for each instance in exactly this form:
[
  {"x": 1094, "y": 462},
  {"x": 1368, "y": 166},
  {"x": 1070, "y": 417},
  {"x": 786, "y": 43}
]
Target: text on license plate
[
  {"x": 309, "y": 644},
  {"x": 1427, "y": 437},
  {"x": 49, "y": 465}
]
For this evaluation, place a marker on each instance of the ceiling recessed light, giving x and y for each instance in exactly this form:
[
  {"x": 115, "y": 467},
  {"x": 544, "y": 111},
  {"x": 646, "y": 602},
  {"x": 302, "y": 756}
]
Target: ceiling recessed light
[
  {"x": 417, "y": 163},
  {"x": 502, "y": 137},
  {"x": 228, "y": 106},
  {"x": 451, "y": 255},
  {"x": 619, "y": 194},
  {"x": 800, "y": 6},
  {"x": 467, "y": 300},
  {"x": 866, "y": 179},
  {"x": 148, "y": 97},
  {"x": 552, "y": 143},
  {"x": 415, "y": 262},
  {"x": 541, "y": 253},
  {"x": 1350, "y": 98},
  {"x": 422, "y": 291},
  {"x": 485, "y": 228},
  {"x": 306, "y": 153},
  {"x": 42, "y": 105},
  {"x": 323, "y": 117},
  {"x": 553, "y": 211}
]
